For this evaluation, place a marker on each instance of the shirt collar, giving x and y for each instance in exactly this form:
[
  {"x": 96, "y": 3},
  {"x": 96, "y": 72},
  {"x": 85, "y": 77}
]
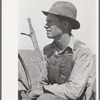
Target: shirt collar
[
  {"x": 71, "y": 42},
  {"x": 70, "y": 45}
]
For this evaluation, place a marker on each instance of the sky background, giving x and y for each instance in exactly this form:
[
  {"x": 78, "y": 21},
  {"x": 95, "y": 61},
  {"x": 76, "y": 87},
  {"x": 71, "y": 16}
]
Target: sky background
[{"x": 86, "y": 15}]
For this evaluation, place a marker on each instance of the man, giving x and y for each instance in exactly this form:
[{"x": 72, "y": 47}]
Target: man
[{"x": 67, "y": 74}]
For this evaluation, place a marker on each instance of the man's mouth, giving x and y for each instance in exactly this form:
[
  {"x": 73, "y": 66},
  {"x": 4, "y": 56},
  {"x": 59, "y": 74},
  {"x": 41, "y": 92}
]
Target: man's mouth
[{"x": 48, "y": 31}]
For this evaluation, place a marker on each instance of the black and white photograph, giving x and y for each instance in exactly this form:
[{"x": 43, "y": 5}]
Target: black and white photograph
[{"x": 57, "y": 50}]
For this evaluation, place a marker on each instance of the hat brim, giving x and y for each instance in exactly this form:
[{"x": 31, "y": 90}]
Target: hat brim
[{"x": 75, "y": 23}]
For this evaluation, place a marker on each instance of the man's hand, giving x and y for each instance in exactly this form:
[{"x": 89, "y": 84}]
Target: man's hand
[
  {"x": 35, "y": 93},
  {"x": 24, "y": 96},
  {"x": 26, "y": 99}
]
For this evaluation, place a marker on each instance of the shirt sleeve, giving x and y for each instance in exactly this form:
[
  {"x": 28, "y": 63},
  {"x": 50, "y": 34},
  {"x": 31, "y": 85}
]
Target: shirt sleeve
[{"x": 78, "y": 78}]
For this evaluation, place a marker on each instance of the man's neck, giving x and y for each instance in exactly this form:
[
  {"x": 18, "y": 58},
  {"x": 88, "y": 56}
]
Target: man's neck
[{"x": 63, "y": 41}]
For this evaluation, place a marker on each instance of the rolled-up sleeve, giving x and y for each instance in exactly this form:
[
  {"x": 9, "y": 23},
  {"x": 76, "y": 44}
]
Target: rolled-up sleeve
[{"x": 78, "y": 78}]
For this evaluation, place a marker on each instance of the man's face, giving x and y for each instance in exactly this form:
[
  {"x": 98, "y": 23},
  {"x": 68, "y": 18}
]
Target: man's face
[{"x": 53, "y": 26}]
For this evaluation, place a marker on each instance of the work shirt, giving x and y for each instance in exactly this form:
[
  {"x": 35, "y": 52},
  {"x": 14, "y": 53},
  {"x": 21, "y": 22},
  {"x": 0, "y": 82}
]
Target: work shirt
[{"x": 77, "y": 78}]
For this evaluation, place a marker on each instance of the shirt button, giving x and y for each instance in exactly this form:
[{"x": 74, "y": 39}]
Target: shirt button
[
  {"x": 62, "y": 76},
  {"x": 50, "y": 53},
  {"x": 62, "y": 65}
]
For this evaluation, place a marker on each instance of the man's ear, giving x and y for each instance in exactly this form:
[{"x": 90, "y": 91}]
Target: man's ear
[{"x": 65, "y": 24}]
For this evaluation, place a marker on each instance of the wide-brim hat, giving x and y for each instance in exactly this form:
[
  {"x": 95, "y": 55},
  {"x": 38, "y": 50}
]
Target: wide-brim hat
[{"x": 66, "y": 10}]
